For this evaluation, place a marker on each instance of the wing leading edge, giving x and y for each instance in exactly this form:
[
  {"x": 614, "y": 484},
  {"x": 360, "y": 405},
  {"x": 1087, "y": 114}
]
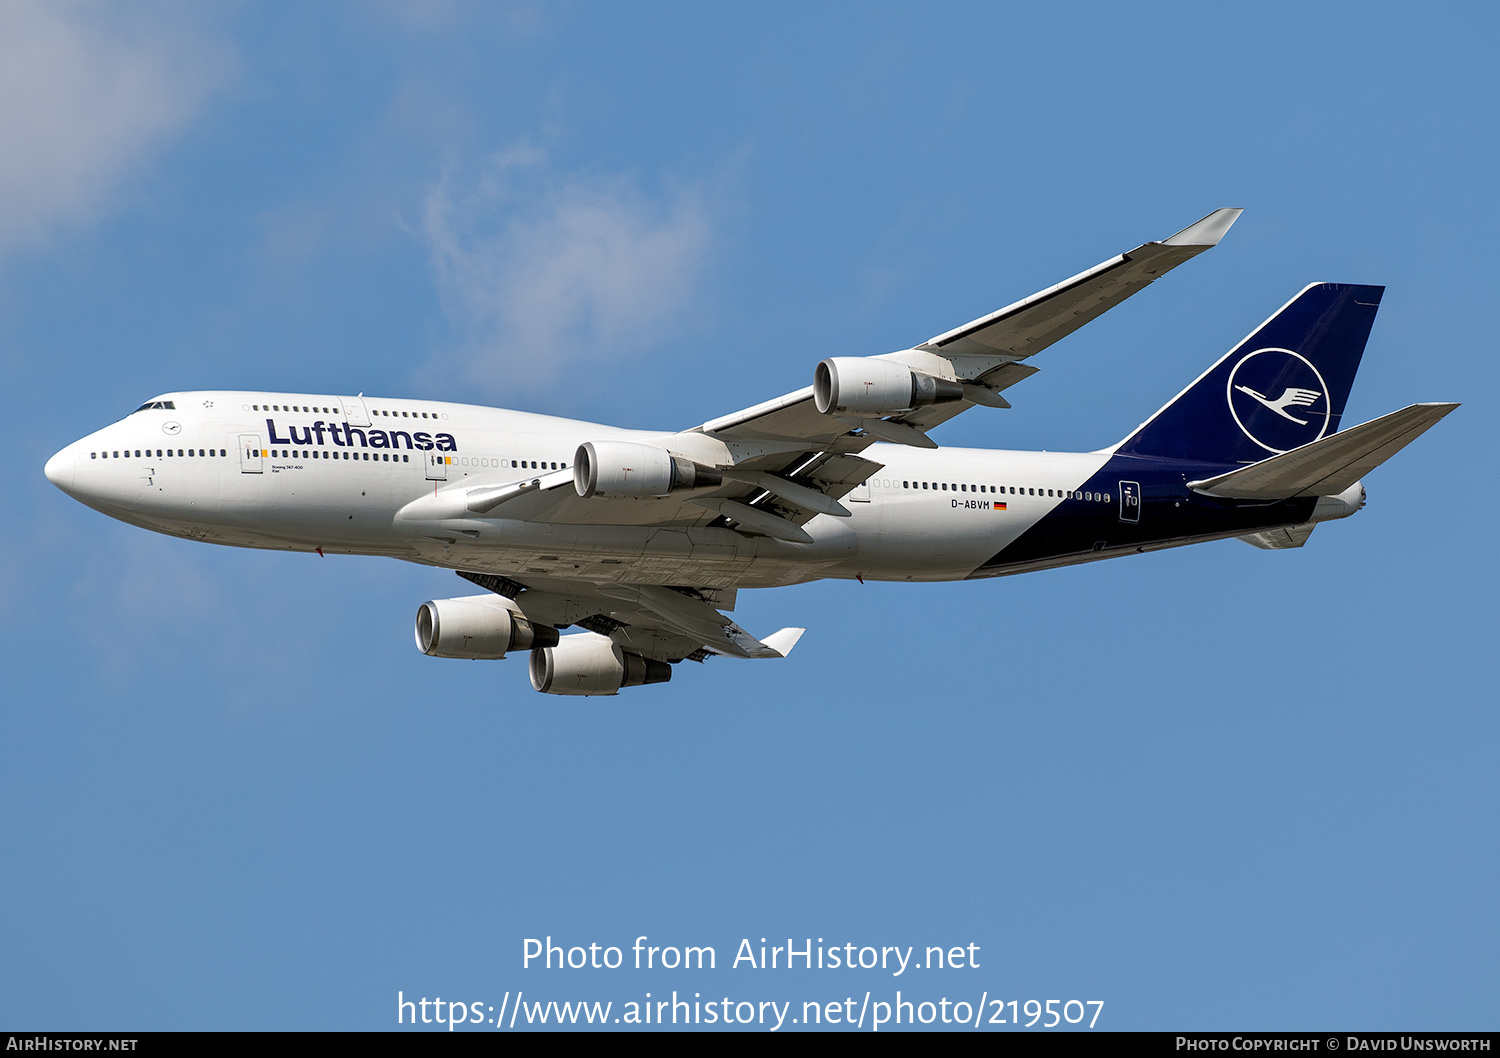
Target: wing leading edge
[{"x": 986, "y": 352}]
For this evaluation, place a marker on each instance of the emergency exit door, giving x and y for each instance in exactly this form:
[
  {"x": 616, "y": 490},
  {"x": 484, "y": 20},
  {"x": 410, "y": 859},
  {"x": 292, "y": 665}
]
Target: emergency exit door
[{"x": 250, "y": 453}]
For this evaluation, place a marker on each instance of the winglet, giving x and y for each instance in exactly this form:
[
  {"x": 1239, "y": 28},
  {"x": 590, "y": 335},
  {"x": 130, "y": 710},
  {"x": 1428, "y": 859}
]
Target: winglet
[
  {"x": 783, "y": 641},
  {"x": 1208, "y": 231}
]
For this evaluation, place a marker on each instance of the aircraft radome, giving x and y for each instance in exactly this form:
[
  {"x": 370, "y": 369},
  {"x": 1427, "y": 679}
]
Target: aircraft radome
[{"x": 640, "y": 539}]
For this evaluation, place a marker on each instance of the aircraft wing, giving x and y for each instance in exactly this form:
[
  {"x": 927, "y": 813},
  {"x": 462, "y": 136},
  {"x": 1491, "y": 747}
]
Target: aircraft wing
[
  {"x": 988, "y": 352},
  {"x": 655, "y": 621},
  {"x": 1032, "y": 324},
  {"x": 783, "y": 462}
]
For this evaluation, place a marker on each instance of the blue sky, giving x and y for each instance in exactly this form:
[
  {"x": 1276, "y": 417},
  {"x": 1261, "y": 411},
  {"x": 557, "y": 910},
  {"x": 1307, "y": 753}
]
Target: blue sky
[{"x": 1214, "y": 788}]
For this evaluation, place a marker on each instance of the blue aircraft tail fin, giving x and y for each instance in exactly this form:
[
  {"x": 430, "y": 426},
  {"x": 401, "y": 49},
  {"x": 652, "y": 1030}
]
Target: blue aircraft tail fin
[{"x": 1282, "y": 387}]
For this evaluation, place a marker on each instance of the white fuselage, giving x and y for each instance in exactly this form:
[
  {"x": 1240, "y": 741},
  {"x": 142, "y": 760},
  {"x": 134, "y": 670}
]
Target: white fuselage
[{"x": 369, "y": 476}]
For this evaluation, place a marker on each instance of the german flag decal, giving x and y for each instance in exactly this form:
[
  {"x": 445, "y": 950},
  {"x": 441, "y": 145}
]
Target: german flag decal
[{"x": 1000, "y": 506}]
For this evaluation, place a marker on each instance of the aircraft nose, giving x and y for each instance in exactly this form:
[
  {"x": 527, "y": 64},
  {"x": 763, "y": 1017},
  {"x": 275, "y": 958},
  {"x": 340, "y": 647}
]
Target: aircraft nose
[{"x": 59, "y": 469}]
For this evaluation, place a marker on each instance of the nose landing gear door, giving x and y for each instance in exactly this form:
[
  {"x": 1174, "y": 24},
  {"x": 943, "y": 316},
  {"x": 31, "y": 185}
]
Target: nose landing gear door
[{"x": 250, "y": 458}]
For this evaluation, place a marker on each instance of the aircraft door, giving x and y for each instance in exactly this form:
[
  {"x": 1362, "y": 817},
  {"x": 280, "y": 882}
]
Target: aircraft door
[
  {"x": 1130, "y": 501},
  {"x": 355, "y": 412},
  {"x": 437, "y": 467},
  {"x": 250, "y": 458}
]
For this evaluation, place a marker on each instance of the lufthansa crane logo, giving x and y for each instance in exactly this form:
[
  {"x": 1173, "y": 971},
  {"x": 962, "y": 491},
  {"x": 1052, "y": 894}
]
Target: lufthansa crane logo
[{"x": 1279, "y": 399}]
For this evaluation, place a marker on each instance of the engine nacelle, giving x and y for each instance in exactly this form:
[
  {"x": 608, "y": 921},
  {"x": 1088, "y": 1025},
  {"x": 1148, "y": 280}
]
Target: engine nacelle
[
  {"x": 863, "y": 385},
  {"x": 592, "y": 664},
  {"x": 1348, "y": 502},
  {"x": 627, "y": 470},
  {"x": 477, "y": 627}
]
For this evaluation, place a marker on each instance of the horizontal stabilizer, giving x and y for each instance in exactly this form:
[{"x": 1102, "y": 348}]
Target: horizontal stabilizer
[{"x": 1328, "y": 466}]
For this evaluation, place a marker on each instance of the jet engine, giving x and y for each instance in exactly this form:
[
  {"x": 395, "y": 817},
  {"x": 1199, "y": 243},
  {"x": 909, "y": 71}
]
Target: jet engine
[
  {"x": 1350, "y": 501},
  {"x": 592, "y": 664},
  {"x": 628, "y": 470},
  {"x": 861, "y": 385},
  {"x": 477, "y": 627}
]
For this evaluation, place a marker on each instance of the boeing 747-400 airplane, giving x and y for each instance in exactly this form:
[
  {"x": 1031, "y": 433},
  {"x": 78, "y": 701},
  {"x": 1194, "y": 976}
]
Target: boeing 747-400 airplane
[{"x": 641, "y": 539}]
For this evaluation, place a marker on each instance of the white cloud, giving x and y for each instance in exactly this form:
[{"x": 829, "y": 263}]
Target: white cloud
[
  {"x": 84, "y": 98},
  {"x": 543, "y": 275}
]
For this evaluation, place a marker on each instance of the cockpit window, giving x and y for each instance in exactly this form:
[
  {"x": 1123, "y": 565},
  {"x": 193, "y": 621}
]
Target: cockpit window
[{"x": 159, "y": 405}]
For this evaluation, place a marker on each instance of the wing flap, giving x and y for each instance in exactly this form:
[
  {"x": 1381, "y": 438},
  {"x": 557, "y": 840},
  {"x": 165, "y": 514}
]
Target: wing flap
[{"x": 694, "y": 619}]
